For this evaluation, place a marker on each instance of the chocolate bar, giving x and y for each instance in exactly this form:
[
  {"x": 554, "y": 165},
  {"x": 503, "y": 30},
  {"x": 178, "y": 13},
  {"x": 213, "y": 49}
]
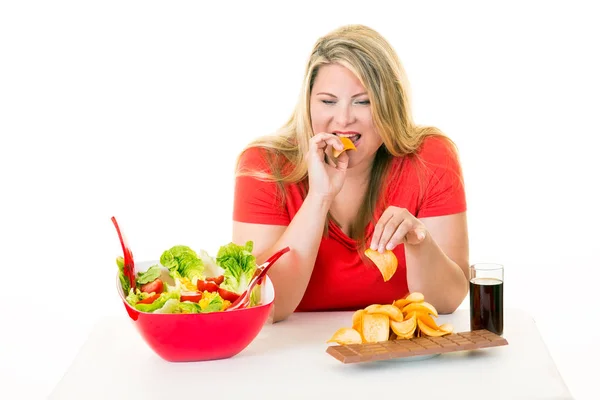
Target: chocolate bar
[{"x": 419, "y": 346}]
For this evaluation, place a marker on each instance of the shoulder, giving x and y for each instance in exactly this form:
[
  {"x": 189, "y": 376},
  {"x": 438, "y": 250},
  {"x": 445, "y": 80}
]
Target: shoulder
[
  {"x": 253, "y": 157},
  {"x": 435, "y": 154},
  {"x": 266, "y": 160},
  {"x": 436, "y": 157},
  {"x": 429, "y": 182},
  {"x": 438, "y": 150},
  {"x": 259, "y": 159},
  {"x": 436, "y": 162}
]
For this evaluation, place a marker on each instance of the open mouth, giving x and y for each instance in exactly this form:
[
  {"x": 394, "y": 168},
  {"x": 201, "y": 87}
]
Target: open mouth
[{"x": 353, "y": 136}]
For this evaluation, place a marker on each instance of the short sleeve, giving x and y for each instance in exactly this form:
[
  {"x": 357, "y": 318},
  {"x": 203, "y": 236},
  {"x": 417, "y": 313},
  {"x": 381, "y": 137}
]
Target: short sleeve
[
  {"x": 255, "y": 200},
  {"x": 444, "y": 191}
]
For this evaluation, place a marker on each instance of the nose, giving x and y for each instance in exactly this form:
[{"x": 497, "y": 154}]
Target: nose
[{"x": 344, "y": 115}]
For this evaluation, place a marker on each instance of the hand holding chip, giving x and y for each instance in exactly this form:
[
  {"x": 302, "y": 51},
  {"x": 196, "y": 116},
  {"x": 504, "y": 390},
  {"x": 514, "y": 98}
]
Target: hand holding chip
[
  {"x": 397, "y": 225},
  {"x": 326, "y": 178}
]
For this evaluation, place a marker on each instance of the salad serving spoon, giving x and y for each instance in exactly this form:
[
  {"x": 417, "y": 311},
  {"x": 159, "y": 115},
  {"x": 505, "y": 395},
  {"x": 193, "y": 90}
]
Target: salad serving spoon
[
  {"x": 244, "y": 300},
  {"x": 128, "y": 264}
]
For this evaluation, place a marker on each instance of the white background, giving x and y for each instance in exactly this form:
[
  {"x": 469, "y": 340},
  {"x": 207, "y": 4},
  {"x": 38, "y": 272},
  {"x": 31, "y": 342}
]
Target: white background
[{"x": 138, "y": 109}]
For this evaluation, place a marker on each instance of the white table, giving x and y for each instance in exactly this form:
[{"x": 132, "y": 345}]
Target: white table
[{"x": 288, "y": 361}]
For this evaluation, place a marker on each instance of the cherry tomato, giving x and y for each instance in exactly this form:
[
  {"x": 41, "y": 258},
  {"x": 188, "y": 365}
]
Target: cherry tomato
[
  {"x": 209, "y": 286},
  {"x": 194, "y": 297},
  {"x": 149, "y": 300},
  {"x": 227, "y": 295},
  {"x": 218, "y": 280},
  {"x": 155, "y": 286}
]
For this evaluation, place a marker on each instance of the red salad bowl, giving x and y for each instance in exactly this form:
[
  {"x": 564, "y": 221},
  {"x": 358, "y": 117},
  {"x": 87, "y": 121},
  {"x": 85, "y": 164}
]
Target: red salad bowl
[{"x": 200, "y": 337}]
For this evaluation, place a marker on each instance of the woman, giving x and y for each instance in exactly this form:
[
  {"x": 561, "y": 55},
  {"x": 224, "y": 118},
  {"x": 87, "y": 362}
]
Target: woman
[{"x": 401, "y": 189}]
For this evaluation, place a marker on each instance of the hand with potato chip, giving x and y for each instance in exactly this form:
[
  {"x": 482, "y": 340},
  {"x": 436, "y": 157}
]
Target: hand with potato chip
[
  {"x": 326, "y": 178},
  {"x": 395, "y": 226}
]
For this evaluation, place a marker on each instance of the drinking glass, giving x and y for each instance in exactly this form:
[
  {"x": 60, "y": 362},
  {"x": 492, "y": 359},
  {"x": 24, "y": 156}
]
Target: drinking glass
[{"x": 486, "y": 289}]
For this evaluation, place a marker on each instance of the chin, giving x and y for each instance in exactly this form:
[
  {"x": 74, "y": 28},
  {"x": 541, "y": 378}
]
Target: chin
[{"x": 353, "y": 163}]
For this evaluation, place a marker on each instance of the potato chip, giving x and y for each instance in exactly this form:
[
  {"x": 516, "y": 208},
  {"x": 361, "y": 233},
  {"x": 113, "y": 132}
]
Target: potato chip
[
  {"x": 427, "y": 320},
  {"x": 376, "y": 327},
  {"x": 415, "y": 297},
  {"x": 357, "y": 321},
  {"x": 448, "y": 328},
  {"x": 357, "y": 317},
  {"x": 386, "y": 262},
  {"x": 388, "y": 309},
  {"x": 344, "y": 336},
  {"x": 348, "y": 145},
  {"x": 423, "y": 307},
  {"x": 401, "y": 303},
  {"x": 406, "y": 328},
  {"x": 428, "y": 331}
]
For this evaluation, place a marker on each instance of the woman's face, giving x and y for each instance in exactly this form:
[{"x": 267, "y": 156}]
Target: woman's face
[{"x": 339, "y": 104}]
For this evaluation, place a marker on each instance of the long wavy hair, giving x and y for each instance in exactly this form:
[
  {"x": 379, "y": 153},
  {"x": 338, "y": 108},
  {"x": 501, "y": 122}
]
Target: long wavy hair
[{"x": 373, "y": 60}]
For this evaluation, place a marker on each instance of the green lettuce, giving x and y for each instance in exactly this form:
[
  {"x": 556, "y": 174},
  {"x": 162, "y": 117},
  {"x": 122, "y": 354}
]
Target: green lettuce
[
  {"x": 215, "y": 304},
  {"x": 124, "y": 281},
  {"x": 211, "y": 268},
  {"x": 136, "y": 295},
  {"x": 150, "y": 275},
  {"x": 183, "y": 262},
  {"x": 255, "y": 296},
  {"x": 158, "y": 303},
  {"x": 187, "y": 307},
  {"x": 239, "y": 265},
  {"x": 171, "y": 306},
  {"x": 235, "y": 262}
]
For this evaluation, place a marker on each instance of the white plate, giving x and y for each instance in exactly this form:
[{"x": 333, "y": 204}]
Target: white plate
[{"x": 416, "y": 358}]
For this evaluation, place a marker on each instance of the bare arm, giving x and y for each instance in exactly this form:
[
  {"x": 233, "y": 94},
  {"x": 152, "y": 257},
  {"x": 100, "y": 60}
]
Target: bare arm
[
  {"x": 303, "y": 235},
  {"x": 438, "y": 266},
  {"x": 437, "y": 254},
  {"x": 291, "y": 273}
]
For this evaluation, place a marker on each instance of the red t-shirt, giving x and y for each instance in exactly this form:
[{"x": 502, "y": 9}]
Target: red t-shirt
[{"x": 431, "y": 186}]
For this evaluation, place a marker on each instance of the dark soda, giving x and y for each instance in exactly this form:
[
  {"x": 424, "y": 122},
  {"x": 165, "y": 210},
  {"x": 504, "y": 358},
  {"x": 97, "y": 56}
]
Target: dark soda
[{"x": 487, "y": 304}]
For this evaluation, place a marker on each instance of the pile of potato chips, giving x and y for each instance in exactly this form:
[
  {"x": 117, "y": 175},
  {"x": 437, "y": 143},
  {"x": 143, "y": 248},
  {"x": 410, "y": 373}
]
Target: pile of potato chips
[{"x": 404, "y": 319}]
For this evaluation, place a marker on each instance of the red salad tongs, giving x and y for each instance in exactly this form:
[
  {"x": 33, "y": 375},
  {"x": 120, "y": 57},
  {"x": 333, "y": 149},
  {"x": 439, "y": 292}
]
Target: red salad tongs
[
  {"x": 244, "y": 300},
  {"x": 128, "y": 265}
]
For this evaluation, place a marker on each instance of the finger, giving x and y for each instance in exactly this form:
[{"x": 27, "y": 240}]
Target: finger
[
  {"x": 329, "y": 156},
  {"x": 416, "y": 236},
  {"x": 329, "y": 160},
  {"x": 399, "y": 236},
  {"x": 322, "y": 140},
  {"x": 342, "y": 162},
  {"x": 383, "y": 220},
  {"x": 390, "y": 228},
  {"x": 317, "y": 146}
]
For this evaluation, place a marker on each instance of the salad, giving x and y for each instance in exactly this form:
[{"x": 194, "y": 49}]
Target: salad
[{"x": 187, "y": 282}]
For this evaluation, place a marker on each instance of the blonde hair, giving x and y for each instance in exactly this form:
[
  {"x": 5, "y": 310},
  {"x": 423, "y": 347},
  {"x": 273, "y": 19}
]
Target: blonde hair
[{"x": 373, "y": 60}]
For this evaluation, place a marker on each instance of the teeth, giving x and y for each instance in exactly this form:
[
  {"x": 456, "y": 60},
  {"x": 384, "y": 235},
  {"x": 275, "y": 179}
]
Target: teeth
[{"x": 353, "y": 137}]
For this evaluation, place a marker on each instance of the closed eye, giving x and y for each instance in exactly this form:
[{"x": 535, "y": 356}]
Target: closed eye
[{"x": 362, "y": 103}]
